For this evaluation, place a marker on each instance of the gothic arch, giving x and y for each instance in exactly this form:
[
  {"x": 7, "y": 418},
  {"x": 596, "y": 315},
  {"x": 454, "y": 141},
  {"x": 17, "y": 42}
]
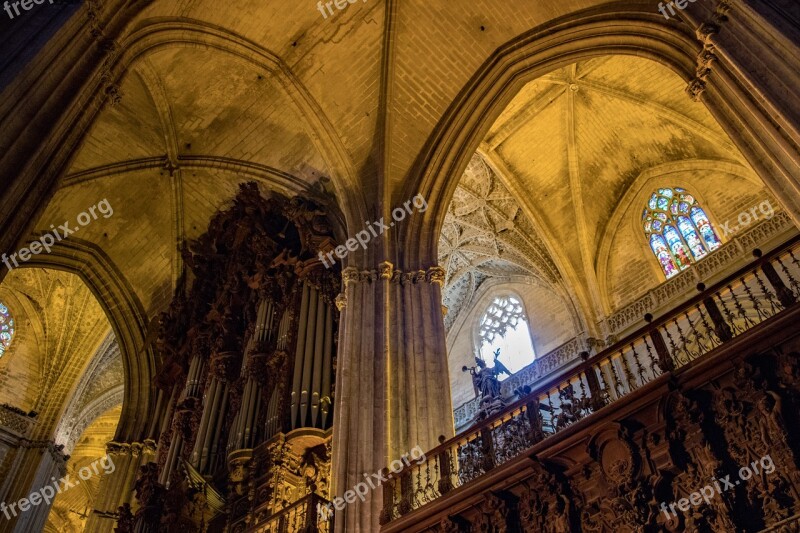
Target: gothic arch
[
  {"x": 128, "y": 321},
  {"x": 627, "y": 211},
  {"x": 89, "y": 414},
  {"x": 555, "y": 45},
  {"x": 193, "y": 34},
  {"x": 80, "y": 410},
  {"x": 119, "y": 56},
  {"x": 498, "y": 287}
]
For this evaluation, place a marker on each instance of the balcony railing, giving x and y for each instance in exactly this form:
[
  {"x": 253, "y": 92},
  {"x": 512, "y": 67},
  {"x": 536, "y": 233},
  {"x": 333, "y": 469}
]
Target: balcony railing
[
  {"x": 715, "y": 316},
  {"x": 304, "y": 515},
  {"x": 540, "y": 368}
]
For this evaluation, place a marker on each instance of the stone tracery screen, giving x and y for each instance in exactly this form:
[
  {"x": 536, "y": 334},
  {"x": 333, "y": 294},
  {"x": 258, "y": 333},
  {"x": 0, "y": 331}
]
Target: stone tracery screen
[{"x": 504, "y": 325}]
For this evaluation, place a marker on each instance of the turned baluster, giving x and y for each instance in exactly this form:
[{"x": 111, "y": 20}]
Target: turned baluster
[
  {"x": 487, "y": 449},
  {"x": 709, "y": 333},
  {"x": 387, "y": 514},
  {"x": 684, "y": 340},
  {"x": 444, "y": 461},
  {"x": 783, "y": 292},
  {"x": 699, "y": 337},
  {"x": 795, "y": 285},
  {"x": 762, "y": 315},
  {"x": 627, "y": 370},
  {"x": 535, "y": 420},
  {"x": 618, "y": 386},
  {"x": 665, "y": 362},
  {"x": 654, "y": 369},
  {"x": 406, "y": 492},
  {"x": 595, "y": 390},
  {"x": 730, "y": 320},
  {"x": 748, "y": 322},
  {"x": 721, "y": 327},
  {"x": 639, "y": 367}
]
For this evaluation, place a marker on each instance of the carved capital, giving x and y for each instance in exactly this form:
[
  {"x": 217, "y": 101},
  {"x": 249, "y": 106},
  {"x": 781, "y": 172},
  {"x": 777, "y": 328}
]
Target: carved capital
[
  {"x": 695, "y": 88},
  {"x": 341, "y": 301},
  {"x": 386, "y": 270},
  {"x": 706, "y": 31},
  {"x": 350, "y": 275},
  {"x": 117, "y": 448},
  {"x": 436, "y": 274}
]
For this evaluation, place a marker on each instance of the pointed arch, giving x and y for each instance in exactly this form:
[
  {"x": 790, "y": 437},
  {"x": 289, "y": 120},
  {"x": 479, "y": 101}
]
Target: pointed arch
[
  {"x": 555, "y": 45},
  {"x": 128, "y": 321}
]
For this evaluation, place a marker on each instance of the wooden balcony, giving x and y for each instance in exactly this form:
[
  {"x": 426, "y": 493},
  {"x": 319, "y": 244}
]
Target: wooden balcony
[{"x": 618, "y": 398}]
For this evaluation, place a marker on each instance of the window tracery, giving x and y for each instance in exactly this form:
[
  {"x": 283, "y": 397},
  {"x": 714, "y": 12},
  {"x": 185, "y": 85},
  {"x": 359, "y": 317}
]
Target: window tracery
[
  {"x": 678, "y": 230},
  {"x": 504, "y": 326},
  {"x": 6, "y": 329}
]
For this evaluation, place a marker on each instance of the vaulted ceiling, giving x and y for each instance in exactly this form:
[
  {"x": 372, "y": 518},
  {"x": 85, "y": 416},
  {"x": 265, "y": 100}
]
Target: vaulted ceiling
[
  {"x": 275, "y": 92},
  {"x": 59, "y": 327},
  {"x": 272, "y": 91},
  {"x": 555, "y": 167}
]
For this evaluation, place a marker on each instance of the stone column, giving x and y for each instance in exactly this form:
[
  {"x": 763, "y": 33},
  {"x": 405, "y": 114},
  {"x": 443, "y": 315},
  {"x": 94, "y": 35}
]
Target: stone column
[
  {"x": 37, "y": 463},
  {"x": 392, "y": 385},
  {"x": 116, "y": 488}
]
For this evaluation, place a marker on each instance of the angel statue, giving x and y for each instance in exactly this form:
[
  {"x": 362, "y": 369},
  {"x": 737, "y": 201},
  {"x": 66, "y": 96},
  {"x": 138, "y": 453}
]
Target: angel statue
[{"x": 487, "y": 384}]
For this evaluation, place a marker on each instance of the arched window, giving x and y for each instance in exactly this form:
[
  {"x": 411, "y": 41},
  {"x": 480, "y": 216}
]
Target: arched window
[
  {"x": 505, "y": 326},
  {"x": 6, "y": 329},
  {"x": 677, "y": 229}
]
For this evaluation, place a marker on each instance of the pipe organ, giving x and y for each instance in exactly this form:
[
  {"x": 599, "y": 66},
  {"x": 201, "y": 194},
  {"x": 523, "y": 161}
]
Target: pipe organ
[{"x": 248, "y": 376}]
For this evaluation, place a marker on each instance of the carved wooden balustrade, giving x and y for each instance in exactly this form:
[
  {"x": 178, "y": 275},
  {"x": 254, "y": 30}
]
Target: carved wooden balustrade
[
  {"x": 554, "y": 361},
  {"x": 715, "y": 316},
  {"x": 302, "y": 516}
]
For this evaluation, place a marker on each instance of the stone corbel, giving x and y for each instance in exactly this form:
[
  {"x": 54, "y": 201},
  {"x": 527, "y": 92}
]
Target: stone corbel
[
  {"x": 706, "y": 34},
  {"x": 341, "y": 301}
]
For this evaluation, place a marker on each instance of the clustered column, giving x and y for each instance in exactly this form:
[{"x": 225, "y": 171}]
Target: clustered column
[
  {"x": 392, "y": 359},
  {"x": 116, "y": 487}
]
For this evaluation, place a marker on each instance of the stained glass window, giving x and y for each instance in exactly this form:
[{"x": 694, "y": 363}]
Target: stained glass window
[
  {"x": 6, "y": 329},
  {"x": 678, "y": 229},
  {"x": 504, "y": 326}
]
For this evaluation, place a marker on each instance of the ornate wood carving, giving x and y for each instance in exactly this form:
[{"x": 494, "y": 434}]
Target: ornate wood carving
[
  {"x": 545, "y": 505},
  {"x": 260, "y": 249},
  {"x": 495, "y": 515}
]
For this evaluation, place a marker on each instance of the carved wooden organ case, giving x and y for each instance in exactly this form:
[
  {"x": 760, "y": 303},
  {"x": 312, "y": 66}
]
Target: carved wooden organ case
[{"x": 249, "y": 371}]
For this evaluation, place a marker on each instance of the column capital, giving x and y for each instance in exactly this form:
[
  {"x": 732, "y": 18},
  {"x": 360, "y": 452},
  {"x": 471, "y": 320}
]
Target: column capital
[{"x": 387, "y": 271}]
